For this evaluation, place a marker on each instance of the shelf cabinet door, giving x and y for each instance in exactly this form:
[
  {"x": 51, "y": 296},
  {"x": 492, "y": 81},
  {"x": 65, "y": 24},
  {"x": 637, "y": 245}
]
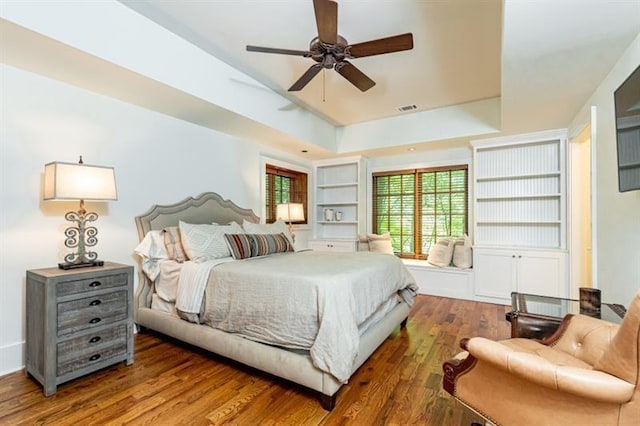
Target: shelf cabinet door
[
  {"x": 495, "y": 274},
  {"x": 542, "y": 272},
  {"x": 498, "y": 272}
]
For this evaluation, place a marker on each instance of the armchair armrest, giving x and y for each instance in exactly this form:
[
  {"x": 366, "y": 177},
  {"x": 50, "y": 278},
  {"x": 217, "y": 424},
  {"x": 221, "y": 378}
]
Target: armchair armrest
[{"x": 583, "y": 382}]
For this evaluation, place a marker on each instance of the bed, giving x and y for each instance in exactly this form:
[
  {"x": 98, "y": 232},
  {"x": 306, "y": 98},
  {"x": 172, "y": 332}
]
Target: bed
[{"x": 300, "y": 365}]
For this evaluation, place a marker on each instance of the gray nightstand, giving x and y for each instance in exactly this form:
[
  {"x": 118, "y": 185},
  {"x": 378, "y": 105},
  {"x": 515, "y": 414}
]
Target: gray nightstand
[{"x": 78, "y": 321}]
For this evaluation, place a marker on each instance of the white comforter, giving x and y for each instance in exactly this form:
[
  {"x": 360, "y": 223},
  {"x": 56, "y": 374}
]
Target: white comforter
[{"x": 313, "y": 301}]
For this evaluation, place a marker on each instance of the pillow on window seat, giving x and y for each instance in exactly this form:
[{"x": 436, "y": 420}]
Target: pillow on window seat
[
  {"x": 462, "y": 257},
  {"x": 441, "y": 253}
]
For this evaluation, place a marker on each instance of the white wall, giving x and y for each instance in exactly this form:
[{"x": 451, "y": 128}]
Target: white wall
[
  {"x": 157, "y": 159},
  {"x": 617, "y": 218}
]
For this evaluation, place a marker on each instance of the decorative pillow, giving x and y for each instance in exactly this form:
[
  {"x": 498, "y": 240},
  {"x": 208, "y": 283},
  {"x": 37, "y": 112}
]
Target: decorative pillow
[
  {"x": 239, "y": 245},
  {"x": 380, "y": 243},
  {"x": 206, "y": 242},
  {"x": 278, "y": 227},
  {"x": 173, "y": 244},
  {"x": 441, "y": 253},
  {"x": 243, "y": 246},
  {"x": 462, "y": 256}
]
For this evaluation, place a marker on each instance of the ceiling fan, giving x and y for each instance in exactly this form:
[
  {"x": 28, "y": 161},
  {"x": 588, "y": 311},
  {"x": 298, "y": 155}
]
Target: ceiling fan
[{"x": 331, "y": 50}]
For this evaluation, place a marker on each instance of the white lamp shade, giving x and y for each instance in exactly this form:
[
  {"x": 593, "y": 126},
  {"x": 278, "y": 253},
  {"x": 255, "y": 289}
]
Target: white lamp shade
[
  {"x": 290, "y": 212},
  {"x": 74, "y": 181}
]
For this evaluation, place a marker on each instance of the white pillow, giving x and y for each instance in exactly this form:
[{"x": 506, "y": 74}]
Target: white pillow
[
  {"x": 380, "y": 243},
  {"x": 206, "y": 242},
  {"x": 152, "y": 251},
  {"x": 462, "y": 256},
  {"x": 441, "y": 252},
  {"x": 278, "y": 227}
]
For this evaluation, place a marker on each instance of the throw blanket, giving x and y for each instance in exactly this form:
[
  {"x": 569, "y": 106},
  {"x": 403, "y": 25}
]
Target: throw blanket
[{"x": 307, "y": 300}]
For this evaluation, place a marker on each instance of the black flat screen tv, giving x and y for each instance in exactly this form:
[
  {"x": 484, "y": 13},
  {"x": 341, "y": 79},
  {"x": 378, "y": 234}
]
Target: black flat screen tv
[{"x": 627, "y": 107}]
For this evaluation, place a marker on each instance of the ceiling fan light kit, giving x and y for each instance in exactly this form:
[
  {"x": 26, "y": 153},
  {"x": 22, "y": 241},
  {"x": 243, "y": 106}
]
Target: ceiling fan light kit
[{"x": 331, "y": 50}]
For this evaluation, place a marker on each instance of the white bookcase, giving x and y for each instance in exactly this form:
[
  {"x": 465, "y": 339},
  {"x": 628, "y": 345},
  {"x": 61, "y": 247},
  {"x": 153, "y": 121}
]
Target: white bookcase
[
  {"x": 520, "y": 216},
  {"x": 519, "y": 191},
  {"x": 340, "y": 187}
]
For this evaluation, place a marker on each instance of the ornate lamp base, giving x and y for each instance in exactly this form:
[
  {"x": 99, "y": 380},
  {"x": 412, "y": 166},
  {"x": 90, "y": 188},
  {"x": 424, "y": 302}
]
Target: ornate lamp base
[{"x": 81, "y": 236}]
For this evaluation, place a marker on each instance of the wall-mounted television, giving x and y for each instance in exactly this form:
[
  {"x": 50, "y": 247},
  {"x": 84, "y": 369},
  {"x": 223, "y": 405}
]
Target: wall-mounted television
[{"x": 627, "y": 106}]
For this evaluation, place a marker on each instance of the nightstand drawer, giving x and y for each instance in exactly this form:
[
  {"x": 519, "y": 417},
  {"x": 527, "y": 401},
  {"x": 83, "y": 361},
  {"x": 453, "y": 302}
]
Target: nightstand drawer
[
  {"x": 81, "y": 314},
  {"x": 90, "y": 284},
  {"x": 90, "y": 349}
]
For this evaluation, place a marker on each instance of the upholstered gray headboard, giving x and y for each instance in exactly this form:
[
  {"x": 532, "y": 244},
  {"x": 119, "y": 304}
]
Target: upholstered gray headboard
[{"x": 207, "y": 207}]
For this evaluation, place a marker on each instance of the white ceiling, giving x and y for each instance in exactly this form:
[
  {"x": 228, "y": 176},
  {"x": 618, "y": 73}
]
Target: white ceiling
[
  {"x": 455, "y": 59},
  {"x": 542, "y": 58},
  {"x": 478, "y": 67}
]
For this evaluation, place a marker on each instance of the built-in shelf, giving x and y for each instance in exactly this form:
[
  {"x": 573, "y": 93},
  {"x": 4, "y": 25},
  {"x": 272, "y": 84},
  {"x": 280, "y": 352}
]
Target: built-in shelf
[
  {"x": 517, "y": 176},
  {"x": 517, "y": 222},
  {"x": 517, "y": 197},
  {"x": 339, "y": 186},
  {"x": 336, "y": 185},
  {"x": 338, "y": 222},
  {"x": 631, "y": 165},
  {"x": 519, "y": 191},
  {"x": 339, "y": 203}
]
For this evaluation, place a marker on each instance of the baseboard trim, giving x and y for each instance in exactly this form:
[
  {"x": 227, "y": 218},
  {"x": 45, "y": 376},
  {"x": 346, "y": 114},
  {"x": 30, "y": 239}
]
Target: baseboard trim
[{"x": 11, "y": 358}]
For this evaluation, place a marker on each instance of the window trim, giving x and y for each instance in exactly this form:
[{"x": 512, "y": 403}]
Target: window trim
[
  {"x": 417, "y": 226},
  {"x": 278, "y": 163}
]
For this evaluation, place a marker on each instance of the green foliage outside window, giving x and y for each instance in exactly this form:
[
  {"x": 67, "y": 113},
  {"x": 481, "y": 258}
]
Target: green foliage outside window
[{"x": 416, "y": 207}]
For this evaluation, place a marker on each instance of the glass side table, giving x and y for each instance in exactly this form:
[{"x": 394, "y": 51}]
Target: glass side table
[{"x": 536, "y": 317}]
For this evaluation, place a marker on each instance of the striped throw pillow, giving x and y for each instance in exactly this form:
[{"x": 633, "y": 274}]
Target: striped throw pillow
[
  {"x": 239, "y": 245},
  {"x": 243, "y": 246}
]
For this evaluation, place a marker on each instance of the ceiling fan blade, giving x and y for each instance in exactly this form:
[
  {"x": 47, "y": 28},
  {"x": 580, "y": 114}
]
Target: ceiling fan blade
[
  {"x": 354, "y": 75},
  {"x": 327, "y": 20},
  {"x": 383, "y": 45},
  {"x": 304, "y": 53},
  {"x": 306, "y": 78}
]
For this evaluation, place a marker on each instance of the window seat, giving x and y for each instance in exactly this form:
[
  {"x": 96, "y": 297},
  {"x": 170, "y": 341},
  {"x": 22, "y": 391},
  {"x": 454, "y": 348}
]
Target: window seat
[{"x": 446, "y": 282}]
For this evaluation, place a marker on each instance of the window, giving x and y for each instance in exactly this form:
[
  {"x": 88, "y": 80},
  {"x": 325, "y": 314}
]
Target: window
[
  {"x": 417, "y": 206},
  {"x": 284, "y": 186}
]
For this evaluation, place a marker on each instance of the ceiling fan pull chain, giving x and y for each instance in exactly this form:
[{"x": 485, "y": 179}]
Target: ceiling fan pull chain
[{"x": 323, "y": 86}]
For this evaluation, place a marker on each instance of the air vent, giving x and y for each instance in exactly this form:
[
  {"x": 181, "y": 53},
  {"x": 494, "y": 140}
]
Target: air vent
[{"x": 406, "y": 108}]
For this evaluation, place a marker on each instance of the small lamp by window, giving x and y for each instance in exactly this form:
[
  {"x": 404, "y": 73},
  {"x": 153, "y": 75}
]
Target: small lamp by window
[
  {"x": 290, "y": 212},
  {"x": 83, "y": 182}
]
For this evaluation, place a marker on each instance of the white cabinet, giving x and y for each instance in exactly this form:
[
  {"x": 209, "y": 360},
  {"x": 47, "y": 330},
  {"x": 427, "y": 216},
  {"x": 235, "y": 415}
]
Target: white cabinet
[
  {"x": 337, "y": 245},
  {"x": 499, "y": 271},
  {"x": 520, "y": 216},
  {"x": 339, "y": 207}
]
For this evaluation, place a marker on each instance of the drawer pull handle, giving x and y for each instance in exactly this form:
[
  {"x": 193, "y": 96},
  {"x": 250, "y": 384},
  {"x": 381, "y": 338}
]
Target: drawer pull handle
[
  {"x": 95, "y": 284},
  {"x": 95, "y": 320},
  {"x": 95, "y": 303},
  {"x": 94, "y": 357},
  {"x": 95, "y": 339}
]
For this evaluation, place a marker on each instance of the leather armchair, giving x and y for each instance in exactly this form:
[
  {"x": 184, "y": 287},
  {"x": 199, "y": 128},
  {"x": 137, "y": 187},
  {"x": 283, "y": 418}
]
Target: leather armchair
[{"x": 585, "y": 373}]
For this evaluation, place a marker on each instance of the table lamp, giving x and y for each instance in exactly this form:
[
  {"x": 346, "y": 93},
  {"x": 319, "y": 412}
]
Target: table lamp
[
  {"x": 290, "y": 212},
  {"x": 83, "y": 182}
]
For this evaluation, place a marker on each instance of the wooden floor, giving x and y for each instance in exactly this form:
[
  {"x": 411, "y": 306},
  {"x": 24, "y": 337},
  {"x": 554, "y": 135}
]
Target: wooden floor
[{"x": 171, "y": 383}]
